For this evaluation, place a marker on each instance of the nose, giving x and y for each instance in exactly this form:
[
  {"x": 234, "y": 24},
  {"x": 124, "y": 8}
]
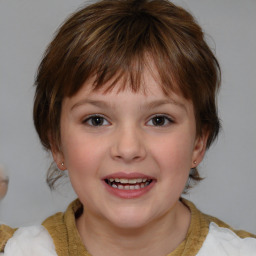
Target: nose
[{"x": 128, "y": 145}]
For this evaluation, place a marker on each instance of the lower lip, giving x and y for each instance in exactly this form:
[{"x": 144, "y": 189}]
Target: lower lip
[{"x": 131, "y": 193}]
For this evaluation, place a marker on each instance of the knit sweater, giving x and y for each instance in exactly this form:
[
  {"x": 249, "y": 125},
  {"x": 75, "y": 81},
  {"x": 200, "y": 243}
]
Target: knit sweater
[{"x": 67, "y": 241}]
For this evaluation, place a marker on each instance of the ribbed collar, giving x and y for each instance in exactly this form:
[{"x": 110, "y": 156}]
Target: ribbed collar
[
  {"x": 67, "y": 240},
  {"x": 198, "y": 230}
]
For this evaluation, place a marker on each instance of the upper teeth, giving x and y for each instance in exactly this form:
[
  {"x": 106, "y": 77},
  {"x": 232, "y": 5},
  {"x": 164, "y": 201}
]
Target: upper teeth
[{"x": 128, "y": 181}]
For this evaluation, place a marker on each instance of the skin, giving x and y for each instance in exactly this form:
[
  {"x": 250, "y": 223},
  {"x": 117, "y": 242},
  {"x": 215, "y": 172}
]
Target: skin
[
  {"x": 130, "y": 140},
  {"x": 3, "y": 184}
]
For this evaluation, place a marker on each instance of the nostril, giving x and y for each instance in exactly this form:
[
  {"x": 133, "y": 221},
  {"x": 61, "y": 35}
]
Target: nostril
[
  {"x": 127, "y": 145},
  {"x": 129, "y": 154}
]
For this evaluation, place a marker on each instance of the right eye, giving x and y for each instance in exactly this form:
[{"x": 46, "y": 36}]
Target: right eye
[
  {"x": 96, "y": 120},
  {"x": 160, "y": 121}
]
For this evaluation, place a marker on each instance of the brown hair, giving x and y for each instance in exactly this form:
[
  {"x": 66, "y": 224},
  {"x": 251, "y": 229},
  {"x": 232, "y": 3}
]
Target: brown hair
[{"x": 110, "y": 40}]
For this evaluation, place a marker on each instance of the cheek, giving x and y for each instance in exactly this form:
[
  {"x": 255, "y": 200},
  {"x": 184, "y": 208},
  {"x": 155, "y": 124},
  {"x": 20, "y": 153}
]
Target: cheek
[
  {"x": 82, "y": 159},
  {"x": 174, "y": 152},
  {"x": 81, "y": 153}
]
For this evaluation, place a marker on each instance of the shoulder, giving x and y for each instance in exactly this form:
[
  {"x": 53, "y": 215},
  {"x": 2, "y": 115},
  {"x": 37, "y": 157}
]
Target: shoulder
[
  {"x": 6, "y": 233},
  {"x": 215, "y": 237},
  {"x": 26, "y": 241},
  {"x": 59, "y": 224},
  {"x": 203, "y": 221},
  {"x": 51, "y": 238},
  {"x": 225, "y": 241},
  {"x": 210, "y": 236},
  {"x": 221, "y": 224}
]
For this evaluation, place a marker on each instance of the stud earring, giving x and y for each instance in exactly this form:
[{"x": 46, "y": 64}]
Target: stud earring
[
  {"x": 194, "y": 162},
  {"x": 62, "y": 166}
]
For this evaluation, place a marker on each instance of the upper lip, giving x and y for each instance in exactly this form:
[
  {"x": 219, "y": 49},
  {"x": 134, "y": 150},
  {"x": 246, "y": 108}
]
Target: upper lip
[{"x": 124, "y": 175}]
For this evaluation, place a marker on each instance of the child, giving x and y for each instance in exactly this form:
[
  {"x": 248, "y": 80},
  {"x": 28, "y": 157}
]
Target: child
[{"x": 126, "y": 102}]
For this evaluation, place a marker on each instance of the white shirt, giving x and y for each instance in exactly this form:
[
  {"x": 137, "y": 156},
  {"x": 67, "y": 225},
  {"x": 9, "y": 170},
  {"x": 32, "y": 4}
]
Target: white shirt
[{"x": 36, "y": 240}]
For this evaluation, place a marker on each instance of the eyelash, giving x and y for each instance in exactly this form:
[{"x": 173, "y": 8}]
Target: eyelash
[
  {"x": 89, "y": 120},
  {"x": 166, "y": 119}
]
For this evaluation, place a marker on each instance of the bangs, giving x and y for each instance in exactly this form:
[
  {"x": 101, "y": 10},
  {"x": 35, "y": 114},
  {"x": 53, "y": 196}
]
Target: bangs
[
  {"x": 120, "y": 55},
  {"x": 131, "y": 76}
]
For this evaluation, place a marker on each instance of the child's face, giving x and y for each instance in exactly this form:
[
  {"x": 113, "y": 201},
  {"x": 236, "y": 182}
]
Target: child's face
[{"x": 148, "y": 141}]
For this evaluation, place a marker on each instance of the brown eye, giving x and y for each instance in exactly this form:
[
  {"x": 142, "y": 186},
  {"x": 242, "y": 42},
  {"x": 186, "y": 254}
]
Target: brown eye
[
  {"x": 159, "y": 120},
  {"x": 96, "y": 121}
]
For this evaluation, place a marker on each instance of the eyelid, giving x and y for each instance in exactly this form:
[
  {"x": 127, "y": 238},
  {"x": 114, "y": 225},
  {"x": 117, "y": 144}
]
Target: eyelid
[
  {"x": 167, "y": 117},
  {"x": 87, "y": 118}
]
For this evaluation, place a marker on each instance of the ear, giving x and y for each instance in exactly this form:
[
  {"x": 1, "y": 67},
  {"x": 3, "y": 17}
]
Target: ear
[
  {"x": 58, "y": 159},
  {"x": 57, "y": 155},
  {"x": 199, "y": 149}
]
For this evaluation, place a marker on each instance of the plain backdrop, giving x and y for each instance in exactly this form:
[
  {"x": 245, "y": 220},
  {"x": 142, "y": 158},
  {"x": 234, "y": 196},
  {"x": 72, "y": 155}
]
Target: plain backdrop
[{"x": 229, "y": 167}]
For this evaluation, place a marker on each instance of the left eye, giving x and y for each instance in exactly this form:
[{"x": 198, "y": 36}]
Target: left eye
[
  {"x": 96, "y": 121},
  {"x": 159, "y": 120}
]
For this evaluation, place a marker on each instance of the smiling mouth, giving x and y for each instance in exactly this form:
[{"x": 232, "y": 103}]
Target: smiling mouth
[{"x": 128, "y": 184}]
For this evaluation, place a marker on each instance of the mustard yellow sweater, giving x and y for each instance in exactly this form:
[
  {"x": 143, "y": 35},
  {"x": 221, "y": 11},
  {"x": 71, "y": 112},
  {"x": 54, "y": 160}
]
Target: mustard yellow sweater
[{"x": 62, "y": 228}]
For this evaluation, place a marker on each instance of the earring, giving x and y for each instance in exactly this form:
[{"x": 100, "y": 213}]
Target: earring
[
  {"x": 194, "y": 162},
  {"x": 62, "y": 166}
]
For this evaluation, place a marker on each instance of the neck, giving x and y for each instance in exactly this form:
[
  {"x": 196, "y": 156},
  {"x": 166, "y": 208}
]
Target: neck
[{"x": 158, "y": 237}]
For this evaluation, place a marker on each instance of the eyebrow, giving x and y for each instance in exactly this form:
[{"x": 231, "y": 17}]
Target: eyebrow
[
  {"x": 158, "y": 103},
  {"x": 150, "y": 105},
  {"x": 97, "y": 103}
]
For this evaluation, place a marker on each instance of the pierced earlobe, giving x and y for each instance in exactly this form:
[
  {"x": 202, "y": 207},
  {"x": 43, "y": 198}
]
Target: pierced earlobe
[
  {"x": 199, "y": 150},
  {"x": 195, "y": 164},
  {"x": 61, "y": 166}
]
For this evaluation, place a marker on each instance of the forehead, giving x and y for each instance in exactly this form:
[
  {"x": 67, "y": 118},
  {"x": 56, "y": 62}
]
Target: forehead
[
  {"x": 136, "y": 76},
  {"x": 143, "y": 78},
  {"x": 150, "y": 94}
]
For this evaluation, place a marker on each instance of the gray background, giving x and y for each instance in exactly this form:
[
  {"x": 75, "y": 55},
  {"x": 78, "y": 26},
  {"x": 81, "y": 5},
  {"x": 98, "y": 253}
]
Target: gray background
[{"x": 229, "y": 190}]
